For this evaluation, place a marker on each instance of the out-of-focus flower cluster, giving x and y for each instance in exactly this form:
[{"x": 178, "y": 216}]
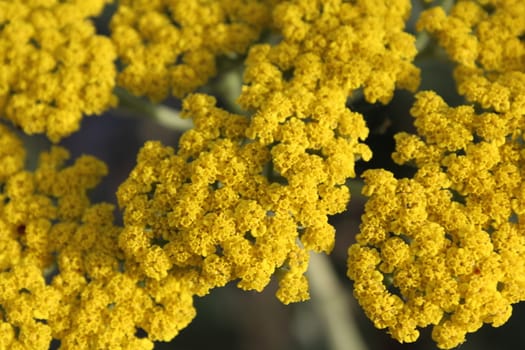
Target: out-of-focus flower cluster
[
  {"x": 446, "y": 248},
  {"x": 54, "y": 68},
  {"x": 171, "y": 46}
]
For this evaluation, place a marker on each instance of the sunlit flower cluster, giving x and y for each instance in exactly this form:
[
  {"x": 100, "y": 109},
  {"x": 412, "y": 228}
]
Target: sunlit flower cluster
[{"x": 245, "y": 197}]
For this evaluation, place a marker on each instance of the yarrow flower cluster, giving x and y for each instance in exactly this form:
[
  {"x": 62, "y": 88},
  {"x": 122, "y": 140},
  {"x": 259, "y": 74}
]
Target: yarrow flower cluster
[
  {"x": 484, "y": 39},
  {"x": 245, "y": 196},
  {"x": 54, "y": 68},
  {"x": 171, "y": 46},
  {"x": 62, "y": 274},
  {"x": 445, "y": 248}
]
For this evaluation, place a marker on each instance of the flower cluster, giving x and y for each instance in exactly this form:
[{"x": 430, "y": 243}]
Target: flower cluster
[
  {"x": 171, "y": 46},
  {"x": 54, "y": 68},
  {"x": 484, "y": 39},
  {"x": 332, "y": 45},
  {"x": 446, "y": 247},
  {"x": 62, "y": 275},
  {"x": 210, "y": 208},
  {"x": 244, "y": 197}
]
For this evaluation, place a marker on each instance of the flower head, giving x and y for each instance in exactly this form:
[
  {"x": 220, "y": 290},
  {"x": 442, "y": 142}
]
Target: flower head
[
  {"x": 169, "y": 47},
  {"x": 443, "y": 248},
  {"x": 54, "y": 68},
  {"x": 485, "y": 40}
]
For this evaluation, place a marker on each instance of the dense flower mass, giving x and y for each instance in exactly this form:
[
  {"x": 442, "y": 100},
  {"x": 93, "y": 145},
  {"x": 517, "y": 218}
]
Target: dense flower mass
[
  {"x": 54, "y": 68},
  {"x": 62, "y": 274},
  {"x": 245, "y": 197},
  {"x": 336, "y": 45},
  {"x": 29, "y": 205},
  {"x": 232, "y": 203},
  {"x": 171, "y": 46},
  {"x": 446, "y": 247},
  {"x": 485, "y": 40},
  {"x": 220, "y": 206}
]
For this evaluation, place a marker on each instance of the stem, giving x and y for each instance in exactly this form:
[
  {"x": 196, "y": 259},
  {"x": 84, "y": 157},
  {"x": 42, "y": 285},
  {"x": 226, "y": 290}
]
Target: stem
[
  {"x": 331, "y": 303},
  {"x": 229, "y": 87},
  {"x": 422, "y": 40},
  {"x": 164, "y": 115}
]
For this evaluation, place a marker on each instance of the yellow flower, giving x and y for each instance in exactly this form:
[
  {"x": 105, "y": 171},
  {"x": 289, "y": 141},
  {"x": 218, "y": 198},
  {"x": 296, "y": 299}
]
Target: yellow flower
[
  {"x": 62, "y": 274},
  {"x": 54, "y": 68},
  {"x": 336, "y": 45},
  {"x": 170, "y": 47},
  {"x": 486, "y": 44},
  {"x": 236, "y": 204},
  {"x": 26, "y": 301},
  {"x": 443, "y": 241}
]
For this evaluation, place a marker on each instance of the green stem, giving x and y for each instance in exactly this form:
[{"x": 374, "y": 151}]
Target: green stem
[
  {"x": 164, "y": 115},
  {"x": 332, "y": 304},
  {"x": 356, "y": 188}
]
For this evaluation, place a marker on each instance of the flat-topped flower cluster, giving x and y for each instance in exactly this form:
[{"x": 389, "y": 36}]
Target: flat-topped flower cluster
[{"x": 446, "y": 247}]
